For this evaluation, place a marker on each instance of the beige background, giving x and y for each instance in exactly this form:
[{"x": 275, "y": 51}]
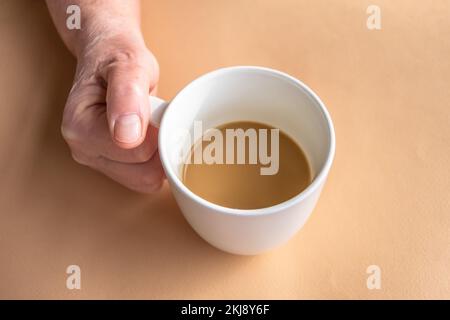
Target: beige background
[{"x": 386, "y": 201}]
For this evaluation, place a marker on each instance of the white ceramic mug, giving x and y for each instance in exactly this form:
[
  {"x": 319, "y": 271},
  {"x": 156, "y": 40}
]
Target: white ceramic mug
[{"x": 239, "y": 94}]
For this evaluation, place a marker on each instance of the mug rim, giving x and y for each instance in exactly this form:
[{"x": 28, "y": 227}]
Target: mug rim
[{"x": 313, "y": 185}]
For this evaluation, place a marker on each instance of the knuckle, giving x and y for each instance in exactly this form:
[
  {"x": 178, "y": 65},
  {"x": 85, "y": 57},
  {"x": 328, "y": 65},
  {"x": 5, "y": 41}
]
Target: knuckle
[
  {"x": 70, "y": 127},
  {"x": 150, "y": 183},
  {"x": 129, "y": 88},
  {"x": 125, "y": 54},
  {"x": 68, "y": 132},
  {"x": 122, "y": 57},
  {"x": 80, "y": 159},
  {"x": 131, "y": 59},
  {"x": 71, "y": 132}
]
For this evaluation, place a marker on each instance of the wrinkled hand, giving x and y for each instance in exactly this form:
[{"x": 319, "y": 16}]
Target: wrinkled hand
[{"x": 106, "y": 117}]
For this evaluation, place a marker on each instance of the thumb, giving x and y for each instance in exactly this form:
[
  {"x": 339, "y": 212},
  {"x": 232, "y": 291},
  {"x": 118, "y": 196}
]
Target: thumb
[{"x": 127, "y": 104}]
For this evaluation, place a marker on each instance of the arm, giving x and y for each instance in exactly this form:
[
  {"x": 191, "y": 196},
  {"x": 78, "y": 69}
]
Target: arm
[
  {"x": 100, "y": 20},
  {"x": 106, "y": 117}
]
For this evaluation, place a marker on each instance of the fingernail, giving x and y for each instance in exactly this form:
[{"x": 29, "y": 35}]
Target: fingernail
[{"x": 127, "y": 128}]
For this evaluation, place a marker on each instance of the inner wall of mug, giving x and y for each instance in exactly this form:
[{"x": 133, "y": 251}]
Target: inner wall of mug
[{"x": 247, "y": 94}]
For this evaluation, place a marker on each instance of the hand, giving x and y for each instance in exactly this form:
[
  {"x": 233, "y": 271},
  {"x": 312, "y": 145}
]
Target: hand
[{"x": 106, "y": 117}]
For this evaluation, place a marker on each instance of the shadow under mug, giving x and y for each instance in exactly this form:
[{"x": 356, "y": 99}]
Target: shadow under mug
[{"x": 245, "y": 93}]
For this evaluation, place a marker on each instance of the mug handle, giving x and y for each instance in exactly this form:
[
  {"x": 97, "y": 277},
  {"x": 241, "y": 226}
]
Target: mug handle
[{"x": 157, "y": 106}]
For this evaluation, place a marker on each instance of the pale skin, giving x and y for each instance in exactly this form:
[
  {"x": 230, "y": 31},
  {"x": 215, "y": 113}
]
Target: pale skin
[{"x": 106, "y": 116}]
